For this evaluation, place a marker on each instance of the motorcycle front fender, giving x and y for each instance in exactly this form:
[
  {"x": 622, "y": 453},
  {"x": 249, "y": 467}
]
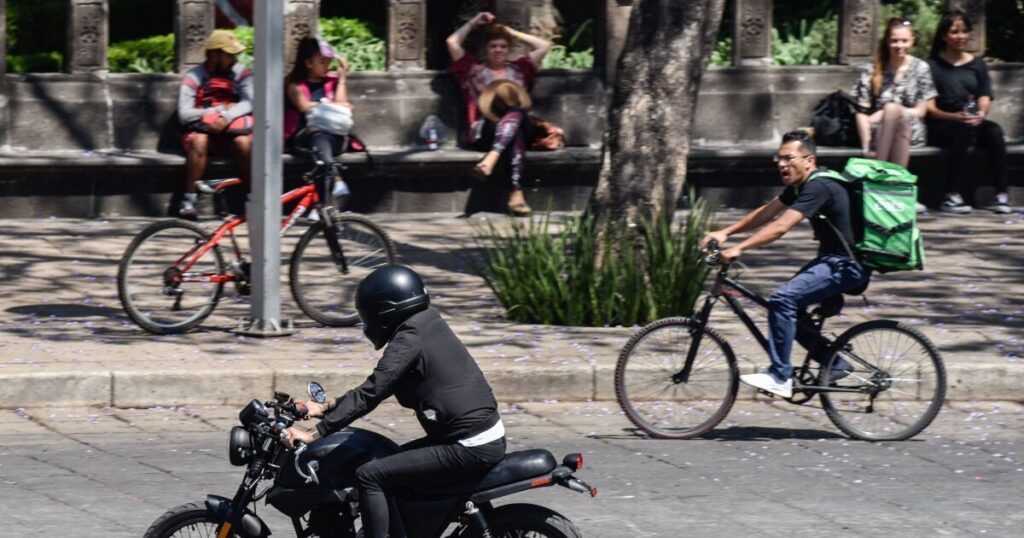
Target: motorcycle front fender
[{"x": 251, "y": 525}]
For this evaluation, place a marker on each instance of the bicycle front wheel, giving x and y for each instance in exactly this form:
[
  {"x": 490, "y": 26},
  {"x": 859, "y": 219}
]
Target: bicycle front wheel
[
  {"x": 660, "y": 405},
  {"x": 324, "y": 291},
  {"x": 887, "y": 379},
  {"x": 158, "y": 289}
]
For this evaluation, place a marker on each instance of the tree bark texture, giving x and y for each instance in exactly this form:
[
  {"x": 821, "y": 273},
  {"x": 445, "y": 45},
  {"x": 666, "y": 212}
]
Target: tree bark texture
[{"x": 653, "y": 106}]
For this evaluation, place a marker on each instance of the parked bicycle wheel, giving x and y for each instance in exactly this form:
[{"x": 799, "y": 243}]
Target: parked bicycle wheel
[
  {"x": 894, "y": 378},
  {"x": 157, "y": 288},
  {"x": 323, "y": 290},
  {"x": 659, "y": 405}
]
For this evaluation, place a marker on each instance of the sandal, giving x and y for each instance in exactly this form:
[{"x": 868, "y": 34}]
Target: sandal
[{"x": 519, "y": 209}]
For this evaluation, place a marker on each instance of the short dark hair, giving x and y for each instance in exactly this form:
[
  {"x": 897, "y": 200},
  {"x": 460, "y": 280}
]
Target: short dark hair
[{"x": 805, "y": 140}]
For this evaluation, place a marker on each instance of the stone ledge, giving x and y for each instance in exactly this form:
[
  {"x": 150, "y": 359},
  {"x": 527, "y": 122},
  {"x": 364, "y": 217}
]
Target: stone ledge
[{"x": 966, "y": 382}]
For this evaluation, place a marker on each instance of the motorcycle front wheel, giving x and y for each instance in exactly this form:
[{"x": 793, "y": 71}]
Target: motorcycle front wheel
[
  {"x": 527, "y": 521},
  {"x": 187, "y": 520}
]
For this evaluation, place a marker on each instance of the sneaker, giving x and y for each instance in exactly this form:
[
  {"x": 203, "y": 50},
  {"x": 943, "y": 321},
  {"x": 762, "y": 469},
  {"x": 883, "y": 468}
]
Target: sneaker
[
  {"x": 187, "y": 211},
  {"x": 1002, "y": 205},
  {"x": 767, "y": 382},
  {"x": 955, "y": 204},
  {"x": 921, "y": 208}
]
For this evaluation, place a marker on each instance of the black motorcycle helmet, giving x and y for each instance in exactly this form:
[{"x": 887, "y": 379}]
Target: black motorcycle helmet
[{"x": 386, "y": 298}]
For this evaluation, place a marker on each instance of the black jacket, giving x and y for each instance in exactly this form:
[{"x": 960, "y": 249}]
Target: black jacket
[{"x": 428, "y": 369}]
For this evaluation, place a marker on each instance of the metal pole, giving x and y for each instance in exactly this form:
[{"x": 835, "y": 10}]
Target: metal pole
[{"x": 264, "y": 207}]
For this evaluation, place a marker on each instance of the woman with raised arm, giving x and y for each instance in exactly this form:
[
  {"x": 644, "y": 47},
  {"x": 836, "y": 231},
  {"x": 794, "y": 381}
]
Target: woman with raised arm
[
  {"x": 958, "y": 117},
  {"x": 896, "y": 90},
  {"x": 496, "y": 119}
]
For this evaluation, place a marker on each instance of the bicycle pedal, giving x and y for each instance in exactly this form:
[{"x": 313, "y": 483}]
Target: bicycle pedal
[{"x": 765, "y": 392}]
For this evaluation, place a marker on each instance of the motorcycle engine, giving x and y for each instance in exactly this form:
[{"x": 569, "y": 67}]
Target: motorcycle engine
[{"x": 330, "y": 521}]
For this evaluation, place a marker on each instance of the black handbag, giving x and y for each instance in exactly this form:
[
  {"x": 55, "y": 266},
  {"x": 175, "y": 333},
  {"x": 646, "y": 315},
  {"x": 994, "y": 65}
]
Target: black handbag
[{"x": 834, "y": 122}]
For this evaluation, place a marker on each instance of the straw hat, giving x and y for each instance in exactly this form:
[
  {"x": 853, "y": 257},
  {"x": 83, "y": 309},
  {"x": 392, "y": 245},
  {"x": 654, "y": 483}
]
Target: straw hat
[{"x": 507, "y": 92}]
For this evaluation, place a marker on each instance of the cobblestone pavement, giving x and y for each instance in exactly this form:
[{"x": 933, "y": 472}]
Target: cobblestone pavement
[
  {"x": 60, "y": 319},
  {"x": 771, "y": 470}
]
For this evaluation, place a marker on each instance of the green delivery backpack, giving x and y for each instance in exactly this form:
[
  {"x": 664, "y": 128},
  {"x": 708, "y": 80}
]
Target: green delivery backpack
[{"x": 885, "y": 231}]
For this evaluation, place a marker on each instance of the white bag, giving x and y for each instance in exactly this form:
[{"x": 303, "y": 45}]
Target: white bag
[{"x": 330, "y": 117}]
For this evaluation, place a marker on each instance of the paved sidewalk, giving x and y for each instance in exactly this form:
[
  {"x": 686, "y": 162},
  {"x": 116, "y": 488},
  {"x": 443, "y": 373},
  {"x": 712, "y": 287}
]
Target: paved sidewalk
[{"x": 64, "y": 339}]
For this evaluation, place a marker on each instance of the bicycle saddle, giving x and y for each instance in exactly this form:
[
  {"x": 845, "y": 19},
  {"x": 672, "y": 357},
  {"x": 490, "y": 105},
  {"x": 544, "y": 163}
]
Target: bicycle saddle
[{"x": 211, "y": 186}]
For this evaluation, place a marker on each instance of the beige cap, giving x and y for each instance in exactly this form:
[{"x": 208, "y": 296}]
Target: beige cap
[{"x": 225, "y": 41}]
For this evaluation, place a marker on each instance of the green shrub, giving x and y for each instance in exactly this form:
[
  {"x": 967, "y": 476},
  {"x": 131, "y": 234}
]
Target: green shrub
[
  {"x": 554, "y": 278},
  {"x": 808, "y": 44},
  {"x": 576, "y": 53},
  {"x": 353, "y": 39},
  {"x": 153, "y": 54},
  {"x": 35, "y": 62}
]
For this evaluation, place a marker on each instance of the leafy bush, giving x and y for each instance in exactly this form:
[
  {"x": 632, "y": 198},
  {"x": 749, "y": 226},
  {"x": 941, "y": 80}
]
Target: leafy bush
[
  {"x": 147, "y": 55},
  {"x": 35, "y": 62},
  {"x": 576, "y": 53},
  {"x": 543, "y": 277},
  {"x": 808, "y": 44},
  {"x": 354, "y": 40}
]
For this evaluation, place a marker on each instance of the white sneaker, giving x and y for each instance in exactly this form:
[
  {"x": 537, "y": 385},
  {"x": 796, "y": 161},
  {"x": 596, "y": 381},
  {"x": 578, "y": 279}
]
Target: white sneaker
[
  {"x": 920, "y": 208},
  {"x": 1002, "y": 205},
  {"x": 768, "y": 383},
  {"x": 955, "y": 204}
]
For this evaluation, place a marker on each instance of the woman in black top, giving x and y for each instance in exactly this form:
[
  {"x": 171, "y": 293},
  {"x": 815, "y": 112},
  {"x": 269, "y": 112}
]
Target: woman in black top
[{"x": 957, "y": 115}]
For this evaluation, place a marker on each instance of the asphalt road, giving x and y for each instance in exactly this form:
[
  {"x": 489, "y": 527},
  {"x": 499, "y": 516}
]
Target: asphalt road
[{"x": 771, "y": 469}]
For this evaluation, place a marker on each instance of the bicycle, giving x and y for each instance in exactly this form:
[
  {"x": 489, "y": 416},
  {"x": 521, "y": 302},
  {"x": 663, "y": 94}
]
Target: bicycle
[
  {"x": 173, "y": 273},
  {"x": 880, "y": 380}
]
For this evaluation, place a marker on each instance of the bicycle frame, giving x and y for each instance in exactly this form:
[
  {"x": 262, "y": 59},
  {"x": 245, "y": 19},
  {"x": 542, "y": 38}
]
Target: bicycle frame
[
  {"x": 730, "y": 289},
  {"x": 307, "y": 196}
]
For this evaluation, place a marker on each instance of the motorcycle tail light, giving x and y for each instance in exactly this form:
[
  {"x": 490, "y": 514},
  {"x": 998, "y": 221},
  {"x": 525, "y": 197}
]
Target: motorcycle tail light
[{"x": 573, "y": 461}]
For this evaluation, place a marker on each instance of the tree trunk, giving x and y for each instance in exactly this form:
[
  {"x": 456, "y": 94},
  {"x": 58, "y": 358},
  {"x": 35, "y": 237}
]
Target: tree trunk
[{"x": 653, "y": 106}]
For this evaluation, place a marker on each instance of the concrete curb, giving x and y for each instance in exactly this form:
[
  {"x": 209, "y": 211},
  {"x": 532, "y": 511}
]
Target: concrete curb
[{"x": 514, "y": 383}]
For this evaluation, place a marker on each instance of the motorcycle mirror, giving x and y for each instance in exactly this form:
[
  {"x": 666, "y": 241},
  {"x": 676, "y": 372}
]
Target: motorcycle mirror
[{"x": 316, "y": 392}]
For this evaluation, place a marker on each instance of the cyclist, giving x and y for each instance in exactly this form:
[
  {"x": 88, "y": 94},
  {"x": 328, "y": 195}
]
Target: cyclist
[
  {"x": 428, "y": 369},
  {"x": 830, "y": 273}
]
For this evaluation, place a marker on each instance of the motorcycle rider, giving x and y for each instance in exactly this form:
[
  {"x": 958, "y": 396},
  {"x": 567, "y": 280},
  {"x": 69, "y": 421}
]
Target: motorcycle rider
[{"x": 428, "y": 369}]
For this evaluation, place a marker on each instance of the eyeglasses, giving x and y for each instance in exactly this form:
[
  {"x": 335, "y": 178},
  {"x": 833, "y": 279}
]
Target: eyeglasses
[{"x": 786, "y": 159}]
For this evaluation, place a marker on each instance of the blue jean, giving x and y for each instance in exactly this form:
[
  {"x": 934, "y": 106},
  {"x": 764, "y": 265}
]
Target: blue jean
[{"x": 825, "y": 276}]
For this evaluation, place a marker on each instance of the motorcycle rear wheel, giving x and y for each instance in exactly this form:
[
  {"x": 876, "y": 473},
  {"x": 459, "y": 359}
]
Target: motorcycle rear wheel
[
  {"x": 527, "y": 521},
  {"x": 190, "y": 520}
]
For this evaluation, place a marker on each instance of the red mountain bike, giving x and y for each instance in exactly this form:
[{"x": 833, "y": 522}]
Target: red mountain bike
[{"x": 172, "y": 275}]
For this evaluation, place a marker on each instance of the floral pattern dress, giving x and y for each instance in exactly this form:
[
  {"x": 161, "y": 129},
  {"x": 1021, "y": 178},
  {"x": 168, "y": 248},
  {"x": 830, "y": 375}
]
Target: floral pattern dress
[{"x": 915, "y": 85}]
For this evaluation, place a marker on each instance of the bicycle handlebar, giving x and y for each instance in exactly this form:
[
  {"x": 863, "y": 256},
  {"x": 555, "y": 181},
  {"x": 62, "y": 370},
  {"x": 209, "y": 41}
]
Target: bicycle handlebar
[{"x": 712, "y": 253}]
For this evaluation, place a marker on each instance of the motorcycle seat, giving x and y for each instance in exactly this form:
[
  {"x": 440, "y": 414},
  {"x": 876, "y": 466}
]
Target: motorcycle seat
[{"x": 514, "y": 467}]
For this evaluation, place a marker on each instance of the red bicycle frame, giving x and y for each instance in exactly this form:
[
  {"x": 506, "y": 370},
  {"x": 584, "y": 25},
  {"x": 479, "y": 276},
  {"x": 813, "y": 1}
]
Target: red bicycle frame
[{"x": 307, "y": 196}]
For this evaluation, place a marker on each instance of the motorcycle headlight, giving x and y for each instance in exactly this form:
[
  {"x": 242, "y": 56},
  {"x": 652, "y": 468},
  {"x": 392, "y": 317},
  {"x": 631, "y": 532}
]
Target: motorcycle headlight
[
  {"x": 240, "y": 449},
  {"x": 252, "y": 413}
]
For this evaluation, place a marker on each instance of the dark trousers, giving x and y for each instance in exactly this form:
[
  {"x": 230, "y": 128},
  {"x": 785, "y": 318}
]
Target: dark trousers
[
  {"x": 325, "y": 145},
  {"x": 511, "y": 134},
  {"x": 956, "y": 138},
  {"x": 420, "y": 464}
]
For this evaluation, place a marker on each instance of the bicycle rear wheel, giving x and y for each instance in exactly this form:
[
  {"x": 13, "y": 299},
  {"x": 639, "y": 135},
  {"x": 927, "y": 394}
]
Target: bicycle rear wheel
[
  {"x": 895, "y": 379},
  {"x": 660, "y": 406},
  {"x": 154, "y": 288},
  {"x": 323, "y": 290}
]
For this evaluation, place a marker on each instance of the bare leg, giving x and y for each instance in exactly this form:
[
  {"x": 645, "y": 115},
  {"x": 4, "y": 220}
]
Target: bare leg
[
  {"x": 894, "y": 135},
  {"x": 242, "y": 146},
  {"x": 195, "y": 160}
]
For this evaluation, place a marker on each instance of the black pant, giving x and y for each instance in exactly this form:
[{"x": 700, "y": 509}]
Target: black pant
[
  {"x": 325, "y": 145},
  {"x": 420, "y": 464},
  {"x": 956, "y": 138}
]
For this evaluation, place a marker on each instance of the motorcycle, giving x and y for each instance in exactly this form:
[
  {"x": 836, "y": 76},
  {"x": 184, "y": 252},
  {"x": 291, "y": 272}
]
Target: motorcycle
[{"x": 314, "y": 485}]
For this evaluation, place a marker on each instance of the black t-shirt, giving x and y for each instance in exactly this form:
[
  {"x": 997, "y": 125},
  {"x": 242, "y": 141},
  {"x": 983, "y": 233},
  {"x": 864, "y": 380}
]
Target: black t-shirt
[
  {"x": 955, "y": 82},
  {"x": 823, "y": 197}
]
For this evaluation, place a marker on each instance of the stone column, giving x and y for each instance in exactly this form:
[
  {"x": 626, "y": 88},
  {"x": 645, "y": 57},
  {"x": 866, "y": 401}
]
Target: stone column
[
  {"x": 193, "y": 22},
  {"x": 858, "y": 31},
  {"x": 752, "y": 32},
  {"x": 975, "y": 10},
  {"x": 3, "y": 37},
  {"x": 407, "y": 34},
  {"x": 610, "y": 35},
  {"x": 87, "y": 37},
  {"x": 302, "y": 19}
]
